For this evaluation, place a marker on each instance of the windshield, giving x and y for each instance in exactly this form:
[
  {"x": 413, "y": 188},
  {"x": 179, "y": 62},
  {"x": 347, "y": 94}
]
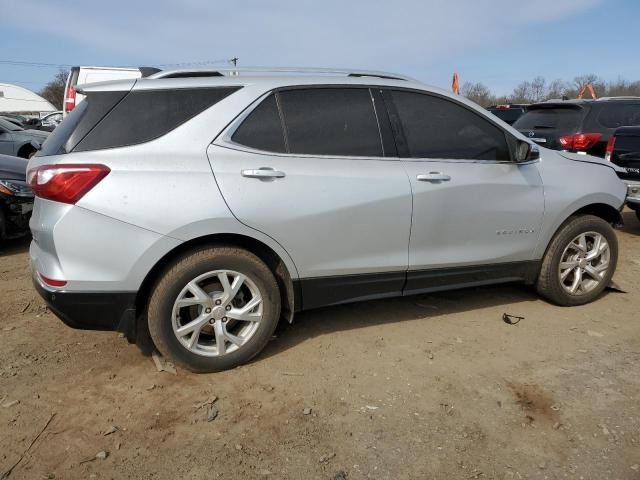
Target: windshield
[
  {"x": 12, "y": 127},
  {"x": 557, "y": 118}
]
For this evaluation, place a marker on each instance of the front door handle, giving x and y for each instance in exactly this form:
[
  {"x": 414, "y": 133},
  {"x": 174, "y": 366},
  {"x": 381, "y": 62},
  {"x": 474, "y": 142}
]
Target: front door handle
[
  {"x": 433, "y": 177},
  {"x": 262, "y": 172}
]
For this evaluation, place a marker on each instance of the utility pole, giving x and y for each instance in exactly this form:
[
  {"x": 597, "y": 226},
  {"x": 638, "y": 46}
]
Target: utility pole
[{"x": 234, "y": 60}]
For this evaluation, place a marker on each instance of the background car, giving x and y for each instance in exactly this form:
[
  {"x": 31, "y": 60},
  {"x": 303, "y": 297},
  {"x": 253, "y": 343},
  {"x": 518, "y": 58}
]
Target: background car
[
  {"x": 623, "y": 149},
  {"x": 583, "y": 126},
  {"x": 17, "y": 141},
  {"x": 509, "y": 113},
  {"x": 16, "y": 198}
]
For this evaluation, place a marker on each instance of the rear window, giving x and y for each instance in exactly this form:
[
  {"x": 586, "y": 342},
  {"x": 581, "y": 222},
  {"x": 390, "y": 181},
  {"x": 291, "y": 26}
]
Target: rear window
[
  {"x": 79, "y": 122},
  {"x": 619, "y": 115},
  {"x": 145, "y": 115},
  {"x": 556, "y": 118}
]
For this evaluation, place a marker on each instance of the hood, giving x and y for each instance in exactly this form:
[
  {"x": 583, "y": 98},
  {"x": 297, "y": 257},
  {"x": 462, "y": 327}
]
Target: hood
[
  {"x": 39, "y": 136},
  {"x": 590, "y": 159},
  {"x": 13, "y": 168}
]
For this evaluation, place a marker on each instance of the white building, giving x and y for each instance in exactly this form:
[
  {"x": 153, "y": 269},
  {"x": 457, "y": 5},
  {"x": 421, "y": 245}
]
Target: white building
[{"x": 15, "y": 99}]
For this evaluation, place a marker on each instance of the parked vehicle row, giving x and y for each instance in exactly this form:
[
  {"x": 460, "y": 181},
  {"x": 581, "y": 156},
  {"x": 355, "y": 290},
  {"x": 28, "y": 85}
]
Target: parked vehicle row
[
  {"x": 16, "y": 198},
  {"x": 509, "y": 113},
  {"x": 291, "y": 192},
  {"x": 581, "y": 126},
  {"x": 623, "y": 149},
  {"x": 18, "y": 141}
]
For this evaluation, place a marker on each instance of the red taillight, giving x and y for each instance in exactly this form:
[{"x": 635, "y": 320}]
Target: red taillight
[
  {"x": 611, "y": 144},
  {"x": 580, "y": 141},
  {"x": 51, "y": 282},
  {"x": 66, "y": 183},
  {"x": 70, "y": 99}
]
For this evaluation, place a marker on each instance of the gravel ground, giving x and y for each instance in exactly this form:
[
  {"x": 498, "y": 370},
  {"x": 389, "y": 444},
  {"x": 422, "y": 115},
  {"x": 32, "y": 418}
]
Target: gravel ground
[{"x": 434, "y": 386}]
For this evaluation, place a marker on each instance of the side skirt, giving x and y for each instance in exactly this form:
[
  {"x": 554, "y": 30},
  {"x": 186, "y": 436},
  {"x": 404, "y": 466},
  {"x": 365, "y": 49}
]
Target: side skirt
[{"x": 334, "y": 290}]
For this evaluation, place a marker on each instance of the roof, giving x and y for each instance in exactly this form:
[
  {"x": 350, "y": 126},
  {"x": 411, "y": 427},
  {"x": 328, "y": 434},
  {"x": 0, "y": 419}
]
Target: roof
[
  {"x": 18, "y": 99},
  {"x": 268, "y": 77}
]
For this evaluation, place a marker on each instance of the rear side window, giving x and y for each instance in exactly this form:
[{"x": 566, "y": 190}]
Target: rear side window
[
  {"x": 262, "y": 129},
  {"x": 331, "y": 121},
  {"x": 619, "y": 115},
  {"x": 434, "y": 127},
  {"x": 145, "y": 115},
  {"x": 566, "y": 119}
]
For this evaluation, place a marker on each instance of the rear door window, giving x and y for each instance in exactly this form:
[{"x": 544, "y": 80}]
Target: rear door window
[
  {"x": 435, "y": 127},
  {"x": 331, "y": 121},
  {"x": 614, "y": 115},
  {"x": 566, "y": 119}
]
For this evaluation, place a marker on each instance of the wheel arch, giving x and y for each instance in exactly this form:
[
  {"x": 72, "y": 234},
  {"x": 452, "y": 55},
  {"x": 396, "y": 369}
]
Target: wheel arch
[
  {"x": 600, "y": 209},
  {"x": 25, "y": 148},
  {"x": 289, "y": 293}
]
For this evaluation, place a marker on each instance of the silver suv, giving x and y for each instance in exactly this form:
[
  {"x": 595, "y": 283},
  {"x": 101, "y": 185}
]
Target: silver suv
[{"x": 204, "y": 207}]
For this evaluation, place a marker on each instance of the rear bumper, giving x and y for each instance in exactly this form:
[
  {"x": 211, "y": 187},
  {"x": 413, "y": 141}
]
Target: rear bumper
[
  {"x": 633, "y": 194},
  {"x": 113, "y": 311}
]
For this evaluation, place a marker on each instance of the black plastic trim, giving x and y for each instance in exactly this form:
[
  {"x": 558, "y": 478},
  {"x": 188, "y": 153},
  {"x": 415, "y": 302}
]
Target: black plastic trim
[
  {"x": 459, "y": 277},
  {"x": 324, "y": 291},
  {"x": 91, "y": 310}
]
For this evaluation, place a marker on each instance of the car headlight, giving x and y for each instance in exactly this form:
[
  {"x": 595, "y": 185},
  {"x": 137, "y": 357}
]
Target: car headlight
[
  {"x": 633, "y": 192},
  {"x": 15, "y": 188}
]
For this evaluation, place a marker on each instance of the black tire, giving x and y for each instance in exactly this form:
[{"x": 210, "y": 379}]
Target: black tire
[
  {"x": 549, "y": 285},
  {"x": 190, "y": 266},
  {"x": 638, "y": 214}
]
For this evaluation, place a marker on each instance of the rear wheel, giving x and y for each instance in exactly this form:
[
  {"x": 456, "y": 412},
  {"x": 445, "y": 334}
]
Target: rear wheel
[
  {"x": 579, "y": 262},
  {"x": 214, "y": 309}
]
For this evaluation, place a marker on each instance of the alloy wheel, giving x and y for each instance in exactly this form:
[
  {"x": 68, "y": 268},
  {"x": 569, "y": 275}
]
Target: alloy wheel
[
  {"x": 584, "y": 263},
  {"x": 217, "y": 313}
]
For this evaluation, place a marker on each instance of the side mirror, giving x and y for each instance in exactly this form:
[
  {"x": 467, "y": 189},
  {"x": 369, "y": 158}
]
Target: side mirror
[{"x": 526, "y": 152}]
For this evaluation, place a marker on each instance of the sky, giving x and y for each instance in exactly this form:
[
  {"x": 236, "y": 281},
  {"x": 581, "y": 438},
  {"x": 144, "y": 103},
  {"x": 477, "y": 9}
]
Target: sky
[{"x": 497, "y": 42}]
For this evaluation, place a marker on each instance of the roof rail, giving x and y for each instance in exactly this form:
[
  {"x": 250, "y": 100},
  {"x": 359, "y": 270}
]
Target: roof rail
[
  {"x": 184, "y": 73},
  {"x": 621, "y": 97}
]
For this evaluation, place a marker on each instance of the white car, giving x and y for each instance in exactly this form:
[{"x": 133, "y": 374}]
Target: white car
[{"x": 82, "y": 75}]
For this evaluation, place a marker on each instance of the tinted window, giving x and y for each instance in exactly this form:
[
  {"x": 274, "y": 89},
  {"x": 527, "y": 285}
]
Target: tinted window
[
  {"x": 437, "y": 128},
  {"x": 79, "y": 122},
  {"x": 508, "y": 115},
  {"x": 557, "y": 118},
  {"x": 7, "y": 125},
  {"x": 145, "y": 115},
  {"x": 331, "y": 121},
  {"x": 618, "y": 115},
  {"x": 262, "y": 129}
]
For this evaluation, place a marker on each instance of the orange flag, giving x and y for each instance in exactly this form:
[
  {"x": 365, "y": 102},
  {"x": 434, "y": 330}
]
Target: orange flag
[
  {"x": 589, "y": 87},
  {"x": 455, "y": 84}
]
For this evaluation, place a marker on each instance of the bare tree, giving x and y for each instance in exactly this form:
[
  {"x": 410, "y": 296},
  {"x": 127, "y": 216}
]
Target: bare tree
[
  {"x": 477, "y": 92},
  {"x": 538, "y": 89},
  {"x": 54, "y": 90}
]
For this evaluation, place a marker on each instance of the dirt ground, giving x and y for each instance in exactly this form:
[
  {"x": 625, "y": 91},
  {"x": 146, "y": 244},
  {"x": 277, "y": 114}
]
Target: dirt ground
[{"x": 430, "y": 387}]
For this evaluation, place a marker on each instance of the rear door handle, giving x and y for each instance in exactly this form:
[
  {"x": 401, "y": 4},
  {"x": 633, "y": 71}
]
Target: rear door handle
[
  {"x": 262, "y": 172},
  {"x": 433, "y": 177}
]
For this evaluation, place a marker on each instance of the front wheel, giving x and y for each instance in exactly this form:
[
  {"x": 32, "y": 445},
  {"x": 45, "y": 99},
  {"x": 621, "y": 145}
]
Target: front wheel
[
  {"x": 214, "y": 309},
  {"x": 580, "y": 262}
]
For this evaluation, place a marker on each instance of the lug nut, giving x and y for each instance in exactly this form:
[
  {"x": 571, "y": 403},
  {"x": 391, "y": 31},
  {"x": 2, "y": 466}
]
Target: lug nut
[
  {"x": 224, "y": 319},
  {"x": 227, "y": 308},
  {"x": 212, "y": 321},
  {"x": 218, "y": 302},
  {"x": 207, "y": 310}
]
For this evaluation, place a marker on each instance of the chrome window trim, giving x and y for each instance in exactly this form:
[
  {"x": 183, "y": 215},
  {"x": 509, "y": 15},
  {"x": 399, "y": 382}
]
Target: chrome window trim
[{"x": 225, "y": 140}]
